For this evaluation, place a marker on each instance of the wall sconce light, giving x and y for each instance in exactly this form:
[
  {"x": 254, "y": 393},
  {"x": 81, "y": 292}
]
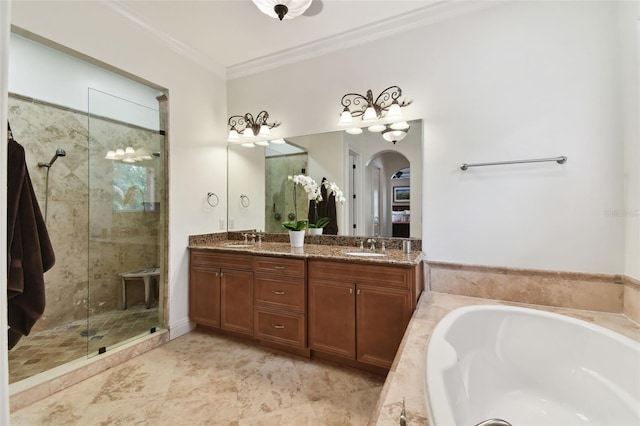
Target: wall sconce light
[
  {"x": 249, "y": 131},
  {"x": 283, "y": 9},
  {"x": 382, "y": 115}
]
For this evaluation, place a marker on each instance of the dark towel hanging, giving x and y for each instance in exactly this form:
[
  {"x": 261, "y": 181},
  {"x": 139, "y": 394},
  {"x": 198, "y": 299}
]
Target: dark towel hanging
[
  {"x": 326, "y": 208},
  {"x": 29, "y": 250}
]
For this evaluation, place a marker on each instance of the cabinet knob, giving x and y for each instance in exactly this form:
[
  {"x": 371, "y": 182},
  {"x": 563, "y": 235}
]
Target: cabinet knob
[
  {"x": 350, "y": 291},
  {"x": 279, "y": 326},
  {"x": 358, "y": 291},
  {"x": 278, "y": 292}
]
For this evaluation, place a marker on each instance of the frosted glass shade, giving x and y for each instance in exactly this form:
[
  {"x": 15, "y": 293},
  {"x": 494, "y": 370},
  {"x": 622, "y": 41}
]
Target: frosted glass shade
[
  {"x": 111, "y": 155},
  {"x": 278, "y": 141},
  {"x": 262, "y": 143},
  {"x": 248, "y": 145},
  {"x": 394, "y": 112},
  {"x": 401, "y": 125},
  {"x": 129, "y": 150},
  {"x": 247, "y": 133},
  {"x": 346, "y": 119},
  {"x": 233, "y": 136},
  {"x": 296, "y": 7},
  {"x": 376, "y": 128},
  {"x": 369, "y": 114},
  {"x": 394, "y": 136},
  {"x": 120, "y": 152},
  {"x": 264, "y": 132},
  {"x": 354, "y": 131}
]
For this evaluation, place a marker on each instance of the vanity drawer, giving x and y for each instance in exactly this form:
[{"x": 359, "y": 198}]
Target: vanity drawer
[
  {"x": 220, "y": 260},
  {"x": 280, "y": 293},
  {"x": 385, "y": 276},
  {"x": 281, "y": 266},
  {"x": 281, "y": 327}
]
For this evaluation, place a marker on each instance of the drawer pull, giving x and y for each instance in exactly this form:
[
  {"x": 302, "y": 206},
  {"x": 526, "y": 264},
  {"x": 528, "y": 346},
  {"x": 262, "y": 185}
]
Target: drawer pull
[
  {"x": 278, "y": 292},
  {"x": 278, "y": 267},
  {"x": 278, "y": 326}
]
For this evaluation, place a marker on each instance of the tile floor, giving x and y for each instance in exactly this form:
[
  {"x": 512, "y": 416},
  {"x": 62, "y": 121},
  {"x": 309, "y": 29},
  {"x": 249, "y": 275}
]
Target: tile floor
[
  {"x": 43, "y": 350},
  {"x": 205, "y": 379}
]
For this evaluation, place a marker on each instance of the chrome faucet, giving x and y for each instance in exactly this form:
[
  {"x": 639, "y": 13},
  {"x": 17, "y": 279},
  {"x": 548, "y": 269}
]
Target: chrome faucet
[{"x": 372, "y": 242}]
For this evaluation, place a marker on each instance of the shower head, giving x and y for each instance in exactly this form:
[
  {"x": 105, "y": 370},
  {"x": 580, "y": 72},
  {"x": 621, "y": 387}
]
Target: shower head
[{"x": 59, "y": 153}]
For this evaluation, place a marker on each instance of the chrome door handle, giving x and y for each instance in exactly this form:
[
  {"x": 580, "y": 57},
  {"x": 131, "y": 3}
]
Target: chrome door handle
[
  {"x": 279, "y": 326},
  {"x": 278, "y": 292}
]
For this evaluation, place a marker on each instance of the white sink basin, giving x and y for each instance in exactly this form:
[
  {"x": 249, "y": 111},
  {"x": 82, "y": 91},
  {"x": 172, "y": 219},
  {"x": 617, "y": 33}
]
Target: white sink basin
[{"x": 363, "y": 254}]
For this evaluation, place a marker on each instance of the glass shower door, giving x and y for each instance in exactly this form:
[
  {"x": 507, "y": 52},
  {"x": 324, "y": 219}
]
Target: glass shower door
[{"x": 126, "y": 221}]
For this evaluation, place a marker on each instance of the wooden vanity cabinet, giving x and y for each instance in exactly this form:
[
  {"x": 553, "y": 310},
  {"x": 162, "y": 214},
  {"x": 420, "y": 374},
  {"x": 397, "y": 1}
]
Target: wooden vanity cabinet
[
  {"x": 221, "y": 291},
  {"x": 359, "y": 311},
  {"x": 280, "y": 295}
]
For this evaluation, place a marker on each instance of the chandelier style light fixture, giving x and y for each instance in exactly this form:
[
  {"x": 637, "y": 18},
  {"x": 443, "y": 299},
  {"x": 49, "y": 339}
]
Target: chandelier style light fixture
[
  {"x": 382, "y": 115},
  {"x": 249, "y": 131},
  {"x": 283, "y": 9}
]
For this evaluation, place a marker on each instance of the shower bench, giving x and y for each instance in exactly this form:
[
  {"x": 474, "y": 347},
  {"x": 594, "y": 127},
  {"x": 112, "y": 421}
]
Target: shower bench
[{"x": 146, "y": 275}]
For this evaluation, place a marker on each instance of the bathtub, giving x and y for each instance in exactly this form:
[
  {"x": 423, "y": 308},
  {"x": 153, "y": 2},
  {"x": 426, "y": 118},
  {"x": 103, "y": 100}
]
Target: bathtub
[{"x": 529, "y": 368}]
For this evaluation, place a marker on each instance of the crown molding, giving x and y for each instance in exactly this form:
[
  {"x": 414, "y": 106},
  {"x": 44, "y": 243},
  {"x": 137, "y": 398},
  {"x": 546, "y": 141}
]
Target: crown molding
[
  {"x": 438, "y": 11},
  {"x": 433, "y": 13},
  {"x": 175, "y": 45}
]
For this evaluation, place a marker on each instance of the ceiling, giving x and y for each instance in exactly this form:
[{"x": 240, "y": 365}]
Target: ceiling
[{"x": 235, "y": 37}]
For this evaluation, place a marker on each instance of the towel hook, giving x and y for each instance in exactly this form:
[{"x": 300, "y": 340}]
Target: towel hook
[
  {"x": 244, "y": 200},
  {"x": 212, "y": 194}
]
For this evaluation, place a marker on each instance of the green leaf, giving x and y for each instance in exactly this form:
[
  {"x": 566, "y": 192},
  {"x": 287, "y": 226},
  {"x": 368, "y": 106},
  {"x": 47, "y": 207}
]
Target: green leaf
[
  {"x": 296, "y": 225},
  {"x": 320, "y": 223}
]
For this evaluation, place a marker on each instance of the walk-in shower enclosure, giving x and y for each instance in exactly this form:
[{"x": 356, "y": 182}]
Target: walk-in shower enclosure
[{"x": 106, "y": 209}]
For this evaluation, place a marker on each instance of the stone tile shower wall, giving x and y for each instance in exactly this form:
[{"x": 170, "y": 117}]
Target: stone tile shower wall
[
  {"x": 279, "y": 190},
  {"x": 92, "y": 242}
]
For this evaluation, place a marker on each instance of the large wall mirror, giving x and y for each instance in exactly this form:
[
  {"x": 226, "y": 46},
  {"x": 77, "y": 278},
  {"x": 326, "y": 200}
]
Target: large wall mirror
[{"x": 382, "y": 182}]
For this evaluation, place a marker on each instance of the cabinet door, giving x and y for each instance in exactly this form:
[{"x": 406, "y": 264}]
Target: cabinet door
[
  {"x": 332, "y": 318},
  {"x": 204, "y": 296},
  {"x": 236, "y": 292},
  {"x": 382, "y": 317}
]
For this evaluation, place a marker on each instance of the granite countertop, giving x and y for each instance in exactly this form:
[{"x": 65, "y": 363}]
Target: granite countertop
[
  {"x": 406, "y": 376},
  {"x": 312, "y": 251}
]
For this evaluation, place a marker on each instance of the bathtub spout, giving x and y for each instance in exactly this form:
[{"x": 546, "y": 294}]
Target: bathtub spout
[{"x": 494, "y": 422}]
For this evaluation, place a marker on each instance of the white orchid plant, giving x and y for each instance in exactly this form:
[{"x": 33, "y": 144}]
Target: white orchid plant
[{"x": 314, "y": 193}]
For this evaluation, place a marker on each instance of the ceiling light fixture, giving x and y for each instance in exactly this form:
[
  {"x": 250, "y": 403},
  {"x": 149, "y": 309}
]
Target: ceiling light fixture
[
  {"x": 283, "y": 9},
  {"x": 382, "y": 115},
  {"x": 249, "y": 131}
]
